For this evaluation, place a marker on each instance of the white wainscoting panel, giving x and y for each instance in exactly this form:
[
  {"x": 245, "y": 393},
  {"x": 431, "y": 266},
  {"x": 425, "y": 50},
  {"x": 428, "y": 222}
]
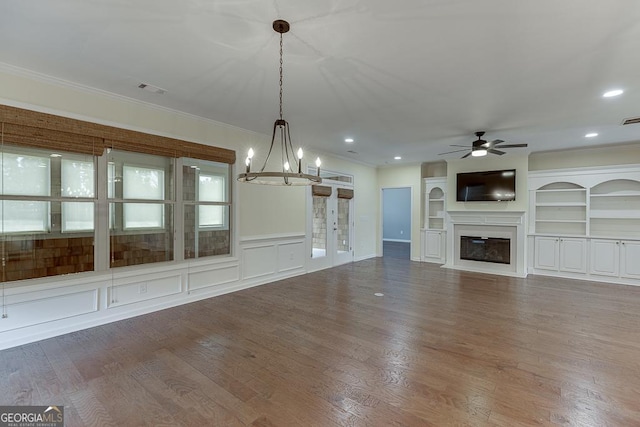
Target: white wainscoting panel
[
  {"x": 150, "y": 287},
  {"x": 291, "y": 256},
  {"x": 210, "y": 276},
  {"x": 268, "y": 258},
  {"x": 32, "y": 309}
]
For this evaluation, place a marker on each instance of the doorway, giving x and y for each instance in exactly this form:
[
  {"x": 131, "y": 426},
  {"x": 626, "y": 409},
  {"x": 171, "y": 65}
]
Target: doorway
[
  {"x": 396, "y": 223},
  {"x": 330, "y": 222}
]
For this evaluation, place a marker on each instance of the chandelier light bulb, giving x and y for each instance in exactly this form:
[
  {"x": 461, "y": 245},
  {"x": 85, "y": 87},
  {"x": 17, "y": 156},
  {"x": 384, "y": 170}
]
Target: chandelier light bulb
[
  {"x": 318, "y": 162},
  {"x": 300, "y": 153},
  {"x": 286, "y": 166},
  {"x": 250, "y": 154}
]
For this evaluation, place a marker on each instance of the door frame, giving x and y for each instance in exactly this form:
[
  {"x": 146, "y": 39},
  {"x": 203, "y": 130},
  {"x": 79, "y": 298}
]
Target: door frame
[{"x": 381, "y": 220}]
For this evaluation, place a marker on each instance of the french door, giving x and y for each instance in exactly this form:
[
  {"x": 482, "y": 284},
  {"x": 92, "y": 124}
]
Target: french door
[{"x": 330, "y": 226}]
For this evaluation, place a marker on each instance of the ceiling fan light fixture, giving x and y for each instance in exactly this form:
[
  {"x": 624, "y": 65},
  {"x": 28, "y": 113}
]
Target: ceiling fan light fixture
[
  {"x": 478, "y": 152},
  {"x": 612, "y": 93},
  {"x": 291, "y": 161}
]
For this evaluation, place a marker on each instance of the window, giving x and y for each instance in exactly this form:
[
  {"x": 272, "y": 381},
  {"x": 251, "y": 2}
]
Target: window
[
  {"x": 28, "y": 177},
  {"x": 137, "y": 184},
  {"x": 206, "y": 208},
  {"x": 146, "y": 184},
  {"x": 211, "y": 188},
  {"x": 140, "y": 192},
  {"x": 55, "y": 203},
  {"x": 77, "y": 181},
  {"x": 47, "y": 212}
]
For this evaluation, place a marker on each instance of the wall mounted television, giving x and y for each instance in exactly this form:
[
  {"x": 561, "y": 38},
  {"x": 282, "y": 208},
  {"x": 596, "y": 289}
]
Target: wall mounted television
[{"x": 486, "y": 186}]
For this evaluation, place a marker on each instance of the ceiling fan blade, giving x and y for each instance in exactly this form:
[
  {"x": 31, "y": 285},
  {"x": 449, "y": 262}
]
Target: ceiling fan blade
[
  {"x": 455, "y": 145},
  {"x": 492, "y": 151},
  {"x": 466, "y": 155},
  {"x": 496, "y": 142},
  {"x": 449, "y": 152},
  {"x": 513, "y": 145}
]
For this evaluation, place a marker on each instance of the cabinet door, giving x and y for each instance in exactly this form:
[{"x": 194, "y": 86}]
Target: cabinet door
[
  {"x": 605, "y": 257},
  {"x": 546, "y": 253},
  {"x": 573, "y": 255},
  {"x": 630, "y": 263},
  {"x": 433, "y": 245}
]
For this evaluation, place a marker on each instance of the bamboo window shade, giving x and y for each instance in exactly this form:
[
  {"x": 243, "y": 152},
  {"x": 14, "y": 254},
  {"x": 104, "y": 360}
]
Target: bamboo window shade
[
  {"x": 321, "y": 190},
  {"x": 345, "y": 193},
  {"x": 48, "y": 131}
]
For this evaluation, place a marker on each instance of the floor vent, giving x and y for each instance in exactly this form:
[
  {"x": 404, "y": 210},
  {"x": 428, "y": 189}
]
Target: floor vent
[{"x": 631, "y": 121}]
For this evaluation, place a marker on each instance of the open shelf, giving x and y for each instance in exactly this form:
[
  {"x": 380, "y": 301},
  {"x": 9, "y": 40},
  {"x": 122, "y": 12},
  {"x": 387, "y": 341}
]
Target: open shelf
[{"x": 561, "y": 207}]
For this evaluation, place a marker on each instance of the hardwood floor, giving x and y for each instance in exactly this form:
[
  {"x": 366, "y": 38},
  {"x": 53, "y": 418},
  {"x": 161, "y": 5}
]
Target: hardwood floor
[
  {"x": 401, "y": 250},
  {"x": 441, "y": 347}
]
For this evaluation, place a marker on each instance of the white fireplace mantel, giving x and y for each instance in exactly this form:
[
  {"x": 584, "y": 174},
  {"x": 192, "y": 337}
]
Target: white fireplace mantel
[{"x": 502, "y": 224}]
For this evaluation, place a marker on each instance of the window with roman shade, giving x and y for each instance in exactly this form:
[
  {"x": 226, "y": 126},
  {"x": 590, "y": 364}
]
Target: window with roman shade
[{"x": 53, "y": 203}]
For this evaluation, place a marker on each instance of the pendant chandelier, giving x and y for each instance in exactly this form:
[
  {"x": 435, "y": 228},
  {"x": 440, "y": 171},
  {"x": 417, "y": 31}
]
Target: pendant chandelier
[{"x": 291, "y": 173}]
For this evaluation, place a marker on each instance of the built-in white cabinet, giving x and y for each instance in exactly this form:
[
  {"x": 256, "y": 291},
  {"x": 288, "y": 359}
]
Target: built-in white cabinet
[
  {"x": 615, "y": 258},
  {"x": 434, "y": 243},
  {"x": 586, "y": 223},
  {"x": 605, "y": 257},
  {"x": 434, "y": 231},
  {"x": 565, "y": 254},
  {"x": 630, "y": 259}
]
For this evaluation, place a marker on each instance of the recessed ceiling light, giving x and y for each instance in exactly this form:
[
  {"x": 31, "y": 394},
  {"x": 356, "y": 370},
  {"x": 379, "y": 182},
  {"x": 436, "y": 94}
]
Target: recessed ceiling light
[
  {"x": 611, "y": 93},
  {"x": 397, "y": 158},
  {"x": 348, "y": 140},
  {"x": 591, "y": 135}
]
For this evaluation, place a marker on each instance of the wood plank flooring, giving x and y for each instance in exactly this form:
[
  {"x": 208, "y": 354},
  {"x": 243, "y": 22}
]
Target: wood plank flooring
[
  {"x": 441, "y": 348},
  {"x": 401, "y": 250}
]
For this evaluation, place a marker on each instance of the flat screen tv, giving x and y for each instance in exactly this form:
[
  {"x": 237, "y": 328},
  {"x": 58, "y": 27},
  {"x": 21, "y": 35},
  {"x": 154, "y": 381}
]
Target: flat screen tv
[{"x": 486, "y": 186}]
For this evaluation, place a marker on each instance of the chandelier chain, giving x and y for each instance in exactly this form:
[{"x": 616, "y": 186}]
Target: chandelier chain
[{"x": 281, "y": 75}]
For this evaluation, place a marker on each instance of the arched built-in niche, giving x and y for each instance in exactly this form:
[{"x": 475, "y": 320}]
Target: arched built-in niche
[
  {"x": 561, "y": 208},
  {"x": 614, "y": 209}
]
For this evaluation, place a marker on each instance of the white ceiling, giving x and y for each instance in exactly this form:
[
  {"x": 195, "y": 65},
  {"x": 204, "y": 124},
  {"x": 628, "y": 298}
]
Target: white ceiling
[{"x": 405, "y": 77}]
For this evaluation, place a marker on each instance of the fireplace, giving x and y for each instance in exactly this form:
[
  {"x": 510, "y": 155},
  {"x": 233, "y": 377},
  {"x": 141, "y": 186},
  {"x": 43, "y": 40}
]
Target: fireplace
[
  {"x": 485, "y": 249},
  {"x": 487, "y": 241}
]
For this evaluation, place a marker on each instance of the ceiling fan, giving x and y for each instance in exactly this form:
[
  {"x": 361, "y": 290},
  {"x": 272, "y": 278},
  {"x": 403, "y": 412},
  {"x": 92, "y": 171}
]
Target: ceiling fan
[{"x": 480, "y": 147}]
